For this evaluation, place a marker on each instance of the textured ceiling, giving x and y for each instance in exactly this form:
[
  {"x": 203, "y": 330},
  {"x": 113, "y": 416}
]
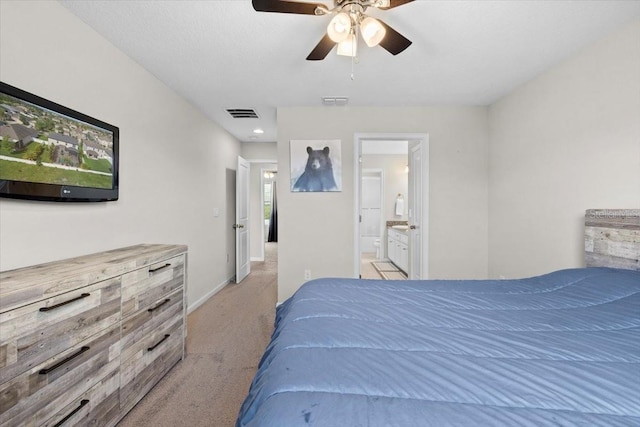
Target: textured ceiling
[{"x": 222, "y": 54}]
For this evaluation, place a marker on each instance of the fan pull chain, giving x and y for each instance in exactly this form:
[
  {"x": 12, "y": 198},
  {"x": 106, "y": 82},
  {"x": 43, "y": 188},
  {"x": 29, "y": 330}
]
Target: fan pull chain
[
  {"x": 354, "y": 49},
  {"x": 353, "y": 60}
]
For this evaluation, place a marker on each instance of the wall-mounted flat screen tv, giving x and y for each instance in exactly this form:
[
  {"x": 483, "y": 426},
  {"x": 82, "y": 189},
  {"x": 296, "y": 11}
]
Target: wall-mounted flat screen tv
[{"x": 50, "y": 152}]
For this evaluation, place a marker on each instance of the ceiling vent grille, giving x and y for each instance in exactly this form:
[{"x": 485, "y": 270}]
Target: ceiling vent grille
[
  {"x": 242, "y": 113},
  {"x": 337, "y": 101}
]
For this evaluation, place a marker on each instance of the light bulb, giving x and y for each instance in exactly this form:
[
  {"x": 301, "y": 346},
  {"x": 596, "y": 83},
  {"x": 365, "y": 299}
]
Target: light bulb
[
  {"x": 372, "y": 31},
  {"x": 348, "y": 47},
  {"x": 339, "y": 27}
]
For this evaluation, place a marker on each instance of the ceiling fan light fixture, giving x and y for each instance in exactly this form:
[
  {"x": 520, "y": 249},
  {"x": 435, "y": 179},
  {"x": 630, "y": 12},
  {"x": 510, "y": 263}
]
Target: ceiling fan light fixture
[
  {"x": 349, "y": 46},
  {"x": 340, "y": 27},
  {"x": 372, "y": 31}
]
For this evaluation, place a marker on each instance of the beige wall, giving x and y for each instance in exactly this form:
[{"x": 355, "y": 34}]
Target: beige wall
[
  {"x": 567, "y": 141},
  {"x": 173, "y": 159},
  {"x": 266, "y": 152},
  {"x": 316, "y": 229}
]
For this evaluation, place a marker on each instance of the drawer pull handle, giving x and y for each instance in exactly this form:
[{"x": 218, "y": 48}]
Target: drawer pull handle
[
  {"x": 62, "y": 362},
  {"x": 52, "y": 307},
  {"x": 158, "y": 343},
  {"x": 83, "y": 402},
  {"x": 153, "y": 270},
  {"x": 159, "y": 305}
]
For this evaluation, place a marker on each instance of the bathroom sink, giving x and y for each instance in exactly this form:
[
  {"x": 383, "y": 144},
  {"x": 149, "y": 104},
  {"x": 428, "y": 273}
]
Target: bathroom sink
[{"x": 400, "y": 227}]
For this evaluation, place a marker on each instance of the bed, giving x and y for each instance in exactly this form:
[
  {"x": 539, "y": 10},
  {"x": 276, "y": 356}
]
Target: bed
[{"x": 560, "y": 349}]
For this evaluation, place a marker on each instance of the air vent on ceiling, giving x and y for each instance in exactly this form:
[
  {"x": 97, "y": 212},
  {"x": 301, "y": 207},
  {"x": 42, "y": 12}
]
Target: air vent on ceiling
[
  {"x": 337, "y": 101},
  {"x": 242, "y": 113}
]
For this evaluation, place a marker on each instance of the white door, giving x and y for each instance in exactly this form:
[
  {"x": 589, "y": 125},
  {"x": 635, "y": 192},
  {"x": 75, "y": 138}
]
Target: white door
[
  {"x": 243, "y": 260},
  {"x": 415, "y": 212},
  {"x": 370, "y": 210}
]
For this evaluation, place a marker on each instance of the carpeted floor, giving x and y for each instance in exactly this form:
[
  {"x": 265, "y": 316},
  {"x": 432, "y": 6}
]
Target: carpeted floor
[{"x": 226, "y": 337}]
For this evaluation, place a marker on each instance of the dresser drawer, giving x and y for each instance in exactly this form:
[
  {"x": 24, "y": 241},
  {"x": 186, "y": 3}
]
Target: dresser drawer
[
  {"x": 143, "y": 287},
  {"x": 147, "y": 360},
  {"x": 98, "y": 406},
  {"x": 34, "y": 333},
  {"x": 147, "y": 320},
  {"x": 39, "y": 393}
]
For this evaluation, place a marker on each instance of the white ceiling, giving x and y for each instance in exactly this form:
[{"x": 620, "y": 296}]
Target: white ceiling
[{"x": 222, "y": 54}]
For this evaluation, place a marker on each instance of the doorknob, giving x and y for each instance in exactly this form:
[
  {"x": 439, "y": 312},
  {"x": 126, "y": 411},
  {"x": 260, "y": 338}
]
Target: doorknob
[
  {"x": 238, "y": 226},
  {"x": 413, "y": 227}
]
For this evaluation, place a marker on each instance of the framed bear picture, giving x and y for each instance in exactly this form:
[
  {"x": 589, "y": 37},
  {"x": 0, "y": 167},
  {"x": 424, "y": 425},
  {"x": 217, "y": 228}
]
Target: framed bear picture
[{"x": 316, "y": 165}]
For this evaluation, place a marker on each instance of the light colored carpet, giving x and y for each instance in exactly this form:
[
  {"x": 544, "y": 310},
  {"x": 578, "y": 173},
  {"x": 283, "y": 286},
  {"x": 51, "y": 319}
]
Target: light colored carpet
[{"x": 226, "y": 337}]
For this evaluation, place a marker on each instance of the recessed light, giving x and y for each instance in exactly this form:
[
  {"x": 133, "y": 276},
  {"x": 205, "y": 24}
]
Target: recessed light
[{"x": 258, "y": 131}]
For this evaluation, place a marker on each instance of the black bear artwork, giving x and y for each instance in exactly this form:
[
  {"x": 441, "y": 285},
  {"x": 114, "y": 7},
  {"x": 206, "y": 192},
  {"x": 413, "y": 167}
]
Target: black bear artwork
[{"x": 318, "y": 173}]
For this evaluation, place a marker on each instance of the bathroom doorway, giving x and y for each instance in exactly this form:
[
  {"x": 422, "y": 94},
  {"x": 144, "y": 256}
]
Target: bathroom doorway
[
  {"x": 383, "y": 189},
  {"x": 390, "y": 240}
]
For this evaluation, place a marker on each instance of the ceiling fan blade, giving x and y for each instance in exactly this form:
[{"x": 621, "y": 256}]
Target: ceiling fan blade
[
  {"x": 395, "y": 3},
  {"x": 322, "y": 49},
  {"x": 283, "y": 6},
  {"x": 393, "y": 41}
]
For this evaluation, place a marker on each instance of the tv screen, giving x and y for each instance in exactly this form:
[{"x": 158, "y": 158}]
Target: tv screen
[{"x": 50, "y": 152}]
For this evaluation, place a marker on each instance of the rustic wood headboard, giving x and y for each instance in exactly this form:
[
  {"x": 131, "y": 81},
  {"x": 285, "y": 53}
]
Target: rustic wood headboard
[{"x": 612, "y": 238}]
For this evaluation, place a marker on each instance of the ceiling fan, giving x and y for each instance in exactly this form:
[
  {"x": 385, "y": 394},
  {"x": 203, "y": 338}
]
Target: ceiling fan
[{"x": 349, "y": 17}]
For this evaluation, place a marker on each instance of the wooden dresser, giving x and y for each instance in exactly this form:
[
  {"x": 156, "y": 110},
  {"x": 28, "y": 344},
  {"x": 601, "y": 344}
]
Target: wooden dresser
[{"x": 84, "y": 339}]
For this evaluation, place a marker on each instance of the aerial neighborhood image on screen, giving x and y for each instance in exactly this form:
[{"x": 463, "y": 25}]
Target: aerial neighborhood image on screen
[{"x": 39, "y": 145}]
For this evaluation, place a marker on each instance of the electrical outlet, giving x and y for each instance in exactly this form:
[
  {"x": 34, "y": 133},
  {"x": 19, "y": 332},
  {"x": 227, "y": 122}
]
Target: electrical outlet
[{"x": 307, "y": 275}]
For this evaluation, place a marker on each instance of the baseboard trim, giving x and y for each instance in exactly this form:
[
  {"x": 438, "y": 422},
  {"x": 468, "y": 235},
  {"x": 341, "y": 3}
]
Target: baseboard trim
[
  {"x": 208, "y": 295},
  {"x": 257, "y": 258}
]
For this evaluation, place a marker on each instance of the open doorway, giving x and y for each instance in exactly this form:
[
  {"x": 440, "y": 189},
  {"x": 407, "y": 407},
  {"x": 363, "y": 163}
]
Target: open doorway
[
  {"x": 383, "y": 189},
  {"x": 263, "y": 182},
  {"x": 270, "y": 206},
  {"x": 390, "y": 239},
  {"x": 269, "y": 212}
]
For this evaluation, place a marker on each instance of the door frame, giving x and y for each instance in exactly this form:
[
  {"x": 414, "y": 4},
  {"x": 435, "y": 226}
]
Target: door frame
[{"x": 413, "y": 138}]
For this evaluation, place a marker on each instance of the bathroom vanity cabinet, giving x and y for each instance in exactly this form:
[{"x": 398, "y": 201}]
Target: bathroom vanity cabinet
[{"x": 398, "y": 248}]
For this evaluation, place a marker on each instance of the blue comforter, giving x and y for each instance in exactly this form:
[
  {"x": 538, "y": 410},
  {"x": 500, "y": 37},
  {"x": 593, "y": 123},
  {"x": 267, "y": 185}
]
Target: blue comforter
[{"x": 562, "y": 349}]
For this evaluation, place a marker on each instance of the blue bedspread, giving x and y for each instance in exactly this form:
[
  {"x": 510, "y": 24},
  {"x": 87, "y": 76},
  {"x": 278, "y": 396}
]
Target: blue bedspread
[{"x": 562, "y": 349}]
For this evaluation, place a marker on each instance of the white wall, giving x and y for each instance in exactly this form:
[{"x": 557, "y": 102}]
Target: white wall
[
  {"x": 316, "y": 229},
  {"x": 567, "y": 141},
  {"x": 173, "y": 159},
  {"x": 265, "y": 152}
]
